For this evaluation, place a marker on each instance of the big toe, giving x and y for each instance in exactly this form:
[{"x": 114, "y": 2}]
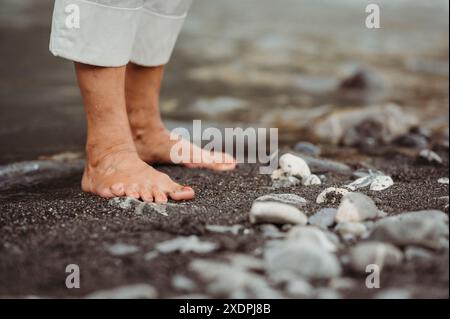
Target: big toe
[{"x": 183, "y": 193}]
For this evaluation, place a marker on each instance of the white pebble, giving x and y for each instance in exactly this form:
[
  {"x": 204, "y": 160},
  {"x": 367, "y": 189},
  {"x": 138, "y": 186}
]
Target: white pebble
[
  {"x": 276, "y": 213},
  {"x": 312, "y": 180},
  {"x": 381, "y": 183},
  {"x": 443, "y": 180},
  {"x": 356, "y": 207},
  {"x": 294, "y": 166}
]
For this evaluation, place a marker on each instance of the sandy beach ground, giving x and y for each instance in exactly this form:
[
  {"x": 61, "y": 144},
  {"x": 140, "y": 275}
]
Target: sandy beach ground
[{"x": 297, "y": 66}]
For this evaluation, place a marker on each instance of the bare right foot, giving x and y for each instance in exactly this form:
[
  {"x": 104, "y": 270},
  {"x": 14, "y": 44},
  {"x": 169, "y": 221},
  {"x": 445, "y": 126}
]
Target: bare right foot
[{"x": 123, "y": 173}]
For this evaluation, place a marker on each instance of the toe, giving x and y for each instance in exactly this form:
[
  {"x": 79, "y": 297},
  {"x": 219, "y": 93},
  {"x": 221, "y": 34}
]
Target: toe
[
  {"x": 183, "y": 193},
  {"x": 132, "y": 191},
  {"x": 146, "y": 195},
  {"x": 118, "y": 189},
  {"x": 159, "y": 196},
  {"x": 105, "y": 192}
]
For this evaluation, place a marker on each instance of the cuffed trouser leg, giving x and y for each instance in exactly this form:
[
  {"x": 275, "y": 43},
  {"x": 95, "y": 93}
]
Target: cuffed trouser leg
[{"x": 112, "y": 33}]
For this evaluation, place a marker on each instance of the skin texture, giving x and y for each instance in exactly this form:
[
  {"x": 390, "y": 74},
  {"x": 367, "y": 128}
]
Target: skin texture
[{"x": 125, "y": 134}]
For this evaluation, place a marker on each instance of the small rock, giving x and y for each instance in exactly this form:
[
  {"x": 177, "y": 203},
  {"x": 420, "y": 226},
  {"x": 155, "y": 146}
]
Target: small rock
[
  {"x": 183, "y": 283},
  {"x": 139, "y": 291},
  {"x": 443, "y": 180},
  {"x": 321, "y": 165},
  {"x": 313, "y": 235},
  {"x": 380, "y": 254},
  {"x": 246, "y": 262},
  {"x": 186, "y": 244},
  {"x": 393, "y": 293},
  {"x": 327, "y": 293},
  {"x": 430, "y": 156},
  {"x": 290, "y": 260},
  {"x": 312, "y": 180},
  {"x": 412, "y": 140},
  {"x": 120, "y": 249},
  {"x": 323, "y": 218},
  {"x": 381, "y": 183},
  {"x": 414, "y": 253},
  {"x": 299, "y": 288},
  {"x": 424, "y": 228},
  {"x": 271, "y": 231},
  {"x": 294, "y": 166},
  {"x": 233, "y": 282},
  {"x": 290, "y": 199},
  {"x": 331, "y": 195},
  {"x": 234, "y": 229},
  {"x": 289, "y": 181},
  {"x": 356, "y": 207},
  {"x": 276, "y": 213},
  {"x": 348, "y": 230},
  {"x": 307, "y": 148}
]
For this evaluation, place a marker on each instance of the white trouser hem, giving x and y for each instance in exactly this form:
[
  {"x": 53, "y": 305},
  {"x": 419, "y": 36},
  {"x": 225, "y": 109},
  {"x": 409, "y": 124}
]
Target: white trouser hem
[{"x": 112, "y": 36}]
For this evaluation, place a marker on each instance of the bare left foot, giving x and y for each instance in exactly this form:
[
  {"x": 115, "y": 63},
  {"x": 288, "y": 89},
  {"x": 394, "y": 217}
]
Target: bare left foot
[{"x": 155, "y": 145}]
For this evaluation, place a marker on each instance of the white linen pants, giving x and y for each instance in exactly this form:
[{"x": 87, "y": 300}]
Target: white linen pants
[{"x": 111, "y": 33}]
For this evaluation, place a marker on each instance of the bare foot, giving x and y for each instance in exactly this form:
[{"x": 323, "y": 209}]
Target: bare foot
[
  {"x": 155, "y": 146},
  {"x": 123, "y": 173}
]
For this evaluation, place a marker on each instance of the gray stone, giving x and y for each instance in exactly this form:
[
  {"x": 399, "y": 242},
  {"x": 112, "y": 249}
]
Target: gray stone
[
  {"x": 271, "y": 231},
  {"x": 307, "y": 148},
  {"x": 290, "y": 260},
  {"x": 289, "y": 181},
  {"x": 323, "y": 218},
  {"x": 350, "y": 230},
  {"x": 424, "y": 228},
  {"x": 186, "y": 244},
  {"x": 299, "y": 288},
  {"x": 233, "y": 282},
  {"x": 321, "y": 165},
  {"x": 234, "y": 229},
  {"x": 393, "y": 293},
  {"x": 311, "y": 180},
  {"x": 313, "y": 235},
  {"x": 293, "y": 165},
  {"x": 121, "y": 249},
  {"x": 139, "y": 291},
  {"x": 276, "y": 213},
  {"x": 183, "y": 283},
  {"x": 414, "y": 253},
  {"x": 356, "y": 207},
  {"x": 430, "y": 156},
  {"x": 367, "y": 253},
  {"x": 290, "y": 199}
]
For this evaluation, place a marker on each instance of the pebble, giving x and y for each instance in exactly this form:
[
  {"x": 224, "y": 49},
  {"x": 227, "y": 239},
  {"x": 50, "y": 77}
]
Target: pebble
[
  {"x": 245, "y": 262},
  {"x": 233, "y": 282},
  {"x": 430, "y": 156},
  {"x": 299, "y": 288},
  {"x": 323, "y": 218},
  {"x": 381, "y": 183},
  {"x": 312, "y": 180},
  {"x": 321, "y": 165},
  {"x": 290, "y": 260},
  {"x": 331, "y": 195},
  {"x": 290, "y": 199},
  {"x": 412, "y": 140},
  {"x": 327, "y": 293},
  {"x": 276, "y": 213},
  {"x": 380, "y": 254},
  {"x": 423, "y": 228},
  {"x": 186, "y": 244},
  {"x": 349, "y": 230},
  {"x": 271, "y": 231},
  {"x": 285, "y": 182},
  {"x": 139, "y": 291},
  {"x": 234, "y": 229},
  {"x": 307, "y": 148},
  {"x": 294, "y": 166},
  {"x": 183, "y": 283},
  {"x": 414, "y": 253},
  {"x": 443, "y": 180},
  {"x": 121, "y": 249},
  {"x": 393, "y": 293},
  {"x": 356, "y": 207},
  {"x": 313, "y": 235}
]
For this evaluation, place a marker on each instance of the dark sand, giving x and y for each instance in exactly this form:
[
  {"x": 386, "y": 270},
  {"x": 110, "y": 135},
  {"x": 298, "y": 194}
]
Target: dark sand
[{"x": 47, "y": 226}]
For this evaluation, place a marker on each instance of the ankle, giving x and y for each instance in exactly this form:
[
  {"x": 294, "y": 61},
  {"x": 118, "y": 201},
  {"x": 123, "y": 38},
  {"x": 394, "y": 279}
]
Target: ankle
[{"x": 97, "y": 153}]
